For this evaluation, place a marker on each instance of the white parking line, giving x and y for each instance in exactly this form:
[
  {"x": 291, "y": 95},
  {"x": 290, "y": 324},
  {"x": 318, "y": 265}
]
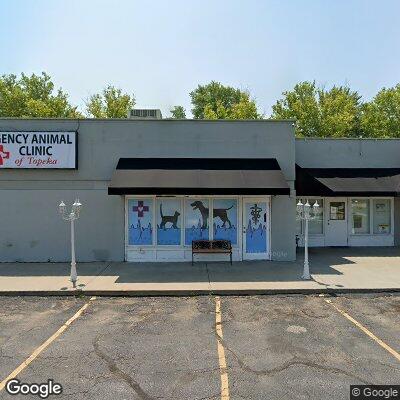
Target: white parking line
[
  {"x": 221, "y": 352},
  {"x": 393, "y": 352},
  {"x": 43, "y": 346}
]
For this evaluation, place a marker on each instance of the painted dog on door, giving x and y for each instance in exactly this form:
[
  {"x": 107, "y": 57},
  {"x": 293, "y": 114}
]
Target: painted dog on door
[{"x": 217, "y": 213}]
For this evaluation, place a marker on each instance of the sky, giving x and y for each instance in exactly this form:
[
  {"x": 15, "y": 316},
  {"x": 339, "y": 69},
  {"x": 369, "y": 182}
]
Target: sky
[{"x": 161, "y": 50}]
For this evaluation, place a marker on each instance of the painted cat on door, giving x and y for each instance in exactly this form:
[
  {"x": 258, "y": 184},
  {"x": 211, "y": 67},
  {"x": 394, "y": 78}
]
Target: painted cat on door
[{"x": 168, "y": 222}]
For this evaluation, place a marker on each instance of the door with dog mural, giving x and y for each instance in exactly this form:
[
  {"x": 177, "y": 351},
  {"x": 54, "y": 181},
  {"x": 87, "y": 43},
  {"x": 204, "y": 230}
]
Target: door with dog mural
[
  {"x": 197, "y": 220},
  {"x": 255, "y": 229}
]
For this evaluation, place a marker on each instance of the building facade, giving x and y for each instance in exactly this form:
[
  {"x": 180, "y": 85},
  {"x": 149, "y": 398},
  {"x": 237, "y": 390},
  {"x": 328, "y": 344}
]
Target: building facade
[
  {"x": 356, "y": 182},
  {"x": 150, "y": 187}
]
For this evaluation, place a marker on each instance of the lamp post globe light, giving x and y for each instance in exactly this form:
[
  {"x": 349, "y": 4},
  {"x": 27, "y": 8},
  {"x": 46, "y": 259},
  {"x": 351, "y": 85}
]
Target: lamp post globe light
[
  {"x": 307, "y": 213},
  {"x": 71, "y": 217}
]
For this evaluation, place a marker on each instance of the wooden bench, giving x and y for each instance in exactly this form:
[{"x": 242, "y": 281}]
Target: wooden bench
[{"x": 212, "y": 247}]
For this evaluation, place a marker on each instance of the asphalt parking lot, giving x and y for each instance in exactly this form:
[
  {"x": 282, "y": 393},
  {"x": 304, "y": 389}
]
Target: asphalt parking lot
[{"x": 274, "y": 347}]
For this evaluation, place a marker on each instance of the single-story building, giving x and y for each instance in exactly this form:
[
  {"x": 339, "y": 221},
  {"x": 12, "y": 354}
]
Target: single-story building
[{"x": 150, "y": 187}]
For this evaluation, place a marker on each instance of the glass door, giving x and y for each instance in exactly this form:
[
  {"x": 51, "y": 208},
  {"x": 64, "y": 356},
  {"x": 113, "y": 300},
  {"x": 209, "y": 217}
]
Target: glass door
[{"x": 255, "y": 229}]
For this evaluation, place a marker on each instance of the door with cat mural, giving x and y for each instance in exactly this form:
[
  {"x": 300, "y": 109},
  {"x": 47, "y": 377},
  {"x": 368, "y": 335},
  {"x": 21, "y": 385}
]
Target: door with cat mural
[
  {"x": 168, "y": 217},
  {"x": 256, "y": 217}
]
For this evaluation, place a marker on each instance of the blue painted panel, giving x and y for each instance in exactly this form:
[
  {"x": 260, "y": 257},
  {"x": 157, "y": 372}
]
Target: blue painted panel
[
  {"x": 169, "y": 216},
  {"x": 225, "y": 219},
  {"x": 196, "y": 220},
  {"x": 140, "y": 216},
  {"x": 256, "y": 229}
]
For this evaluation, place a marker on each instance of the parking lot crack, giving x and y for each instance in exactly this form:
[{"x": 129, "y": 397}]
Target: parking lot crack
[
  {"x": 311, "y": 314},
  {"x": 288, "y": 364},
  {"x": 388, "y": 365},
  {"x": 115, "y": 370}
]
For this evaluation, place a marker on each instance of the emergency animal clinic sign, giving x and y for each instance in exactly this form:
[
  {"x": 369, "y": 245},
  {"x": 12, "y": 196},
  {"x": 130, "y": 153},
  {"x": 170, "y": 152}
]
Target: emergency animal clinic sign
[{"x": 38, "y": 150}]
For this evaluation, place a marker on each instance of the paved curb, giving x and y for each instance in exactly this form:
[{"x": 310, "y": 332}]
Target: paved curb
[{"x": 186, "y": 293}]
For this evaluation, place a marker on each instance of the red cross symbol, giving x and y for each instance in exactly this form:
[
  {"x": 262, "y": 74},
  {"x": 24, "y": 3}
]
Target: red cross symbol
[
  {"x": 4, "y": 155},
  {"x": 140, "y": 209}
]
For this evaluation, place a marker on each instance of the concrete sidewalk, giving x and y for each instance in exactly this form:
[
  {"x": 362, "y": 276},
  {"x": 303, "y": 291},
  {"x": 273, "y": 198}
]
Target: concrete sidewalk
[{"x": 333, "y": 270}]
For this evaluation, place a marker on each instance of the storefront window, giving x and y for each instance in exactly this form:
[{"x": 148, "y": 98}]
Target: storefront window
[
  {"x": 316, "y": 226},
  {"x": 360, "y": 216},
  {"x": 168, "y": 217},
  {"x": 225, "y": 219},
  {"x": 140, "y": 222},
  {"x": 381, "y": 216},
  {"x": 197, "y": 220}
]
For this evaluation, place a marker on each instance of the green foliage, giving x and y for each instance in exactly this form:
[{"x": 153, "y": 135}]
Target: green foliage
[
  {"x": 337, "y": 112},
  {"x": 33, "y": 97},
  {"x": 300, "y": 104},
  {"x": 340, "y": 112},
  {"x": 110, "y": 103},
  {"x": 319, "y": 112},
  {"x": 178, "y": 112},
  {"x": 381, "y": 116},
  {"x": 216, "y": 101}
]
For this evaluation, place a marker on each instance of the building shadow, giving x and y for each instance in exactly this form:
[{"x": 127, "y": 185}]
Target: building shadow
[{"x": 323, "y": 261}]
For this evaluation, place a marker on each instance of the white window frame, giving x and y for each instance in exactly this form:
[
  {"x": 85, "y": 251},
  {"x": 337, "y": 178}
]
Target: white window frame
[
  {"x": 182, "y": 199},
  {"x": 371, "y": 216},
  {"x": 350, "y": 201},
  {"x": 391, "y": 202},
  {"x": 311, "y": 200}
]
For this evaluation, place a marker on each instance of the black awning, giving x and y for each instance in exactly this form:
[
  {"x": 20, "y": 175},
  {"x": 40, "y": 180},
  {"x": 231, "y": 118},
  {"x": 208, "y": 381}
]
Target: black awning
[
  {"x": 347, "y": 181},
  {"x": 208, "y": 176}
]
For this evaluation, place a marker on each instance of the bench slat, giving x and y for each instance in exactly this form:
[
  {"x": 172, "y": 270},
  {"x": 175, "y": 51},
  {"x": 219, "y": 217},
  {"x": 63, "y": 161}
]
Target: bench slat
[
  {"x": 217, "y": 246},
  {"x": 211, "y": 251}
]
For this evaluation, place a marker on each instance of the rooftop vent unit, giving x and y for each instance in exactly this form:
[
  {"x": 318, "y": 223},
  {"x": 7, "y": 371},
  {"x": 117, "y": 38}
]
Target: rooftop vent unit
[{"x": 145, "y": 113}]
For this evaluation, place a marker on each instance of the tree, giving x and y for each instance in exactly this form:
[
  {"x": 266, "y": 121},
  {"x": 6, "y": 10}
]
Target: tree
[
  {"x": 340, "y": 110},
  {"x": 216, "y": 101},
  {"x": 381, "y": 116},
  {"x": 178, "y": 112},
  {"x": 244, "y": 109},
  {"x": 300, "y": 104},
  {"x": 33, "y": 96},
  {"x": 319, "y": 112},
  {"x": 110, "y": 103}
]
